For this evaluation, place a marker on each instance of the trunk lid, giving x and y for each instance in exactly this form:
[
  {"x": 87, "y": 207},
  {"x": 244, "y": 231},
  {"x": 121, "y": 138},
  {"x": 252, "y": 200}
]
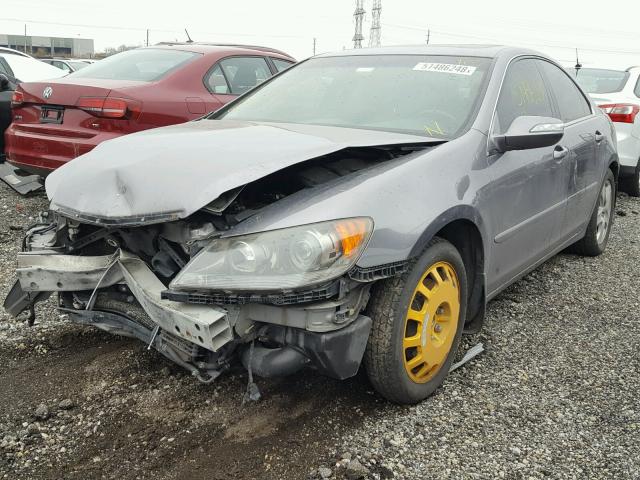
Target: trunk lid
[
  {"x": 67, "y": 91},
  {"x": 604, "y": 98}
]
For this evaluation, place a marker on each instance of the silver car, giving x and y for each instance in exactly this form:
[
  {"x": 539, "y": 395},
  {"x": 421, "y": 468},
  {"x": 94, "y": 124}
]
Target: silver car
[{"x": 358, "y": 208}]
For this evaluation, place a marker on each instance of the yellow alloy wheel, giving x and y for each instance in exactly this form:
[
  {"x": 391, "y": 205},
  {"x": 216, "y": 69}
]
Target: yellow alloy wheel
[{"x": 431, "y": 322}]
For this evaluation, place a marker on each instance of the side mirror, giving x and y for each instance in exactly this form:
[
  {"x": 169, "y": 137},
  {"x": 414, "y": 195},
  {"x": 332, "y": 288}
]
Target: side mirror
[
  {"x": 529, "y": 132},
  {"x": 4, "y": 82}
]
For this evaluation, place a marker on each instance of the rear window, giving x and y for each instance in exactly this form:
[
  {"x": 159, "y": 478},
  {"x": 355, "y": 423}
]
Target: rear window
[
  {"x": 281, "y": 64},
  {"x": 599, "y": 80},
  {"x": 146, "y": 65}
]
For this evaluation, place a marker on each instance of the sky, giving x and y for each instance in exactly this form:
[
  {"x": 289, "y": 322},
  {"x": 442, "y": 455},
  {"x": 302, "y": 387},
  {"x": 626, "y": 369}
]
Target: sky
[{"x": 604, "y": 36}]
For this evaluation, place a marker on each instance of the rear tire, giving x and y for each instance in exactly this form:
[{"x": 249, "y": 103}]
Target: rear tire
[
  {"x": 414, "y": 337},
  {"x": 595, "y": 240},
  {"x": 631, "y": 185}
]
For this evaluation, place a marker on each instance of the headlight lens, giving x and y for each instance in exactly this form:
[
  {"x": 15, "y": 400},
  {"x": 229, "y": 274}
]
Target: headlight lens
[{"x": 279, "y": 259}]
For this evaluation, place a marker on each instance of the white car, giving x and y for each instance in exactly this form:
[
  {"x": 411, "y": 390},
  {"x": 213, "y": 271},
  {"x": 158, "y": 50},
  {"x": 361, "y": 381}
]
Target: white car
[
  {"x": 66, "y": 64},
  {"x": 19, "y": 67},
  {"x": 617, "y": 92},
  {"x": 15, "y": 52}
]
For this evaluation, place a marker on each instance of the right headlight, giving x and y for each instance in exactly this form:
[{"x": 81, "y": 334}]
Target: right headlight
[{"x": 284, "y": 259}]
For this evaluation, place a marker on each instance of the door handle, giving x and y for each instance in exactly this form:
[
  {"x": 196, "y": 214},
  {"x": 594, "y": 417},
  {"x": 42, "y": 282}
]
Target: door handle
[
  {"x": 560, "y": 152},
  {"x": 599, "y": 137}
]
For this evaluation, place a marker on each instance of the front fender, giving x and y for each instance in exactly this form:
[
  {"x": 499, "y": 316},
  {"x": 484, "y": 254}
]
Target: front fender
[{"x": 458, "y": 212}]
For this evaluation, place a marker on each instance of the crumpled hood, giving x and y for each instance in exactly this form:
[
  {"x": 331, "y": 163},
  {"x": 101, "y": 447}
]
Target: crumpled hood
[{"x": 177, "y": 170}]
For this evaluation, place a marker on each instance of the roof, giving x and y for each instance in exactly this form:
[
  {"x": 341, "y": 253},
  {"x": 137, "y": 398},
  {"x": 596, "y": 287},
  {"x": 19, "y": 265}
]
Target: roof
[
  {"x": 469, "y": 50},
  {"x": 11, "y": 51},
  {"x": 206, "y": 47},
  {"x": 607, "y": 66}
]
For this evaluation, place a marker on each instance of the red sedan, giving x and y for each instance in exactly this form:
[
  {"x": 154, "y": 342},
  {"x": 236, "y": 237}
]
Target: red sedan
[{"x": 56, "y": 121}]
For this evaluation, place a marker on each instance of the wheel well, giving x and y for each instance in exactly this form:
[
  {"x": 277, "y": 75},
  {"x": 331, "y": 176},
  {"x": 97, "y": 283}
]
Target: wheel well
[
  {"x": 465, "y": 236},
  {"x": 615, "y": 168}
]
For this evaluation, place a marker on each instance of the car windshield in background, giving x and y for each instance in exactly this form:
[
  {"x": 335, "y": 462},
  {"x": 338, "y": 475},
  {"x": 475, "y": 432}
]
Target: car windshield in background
[
  {"x": 78, "y": 65},
  {"x": 599, "y": 80},
  {"x": 145, "y": 64},
  {"x": 434, "y": 96}
]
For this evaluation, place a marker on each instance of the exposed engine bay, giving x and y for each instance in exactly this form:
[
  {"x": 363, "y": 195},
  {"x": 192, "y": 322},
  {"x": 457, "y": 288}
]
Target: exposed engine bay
[{"x": 127, "y": 279}]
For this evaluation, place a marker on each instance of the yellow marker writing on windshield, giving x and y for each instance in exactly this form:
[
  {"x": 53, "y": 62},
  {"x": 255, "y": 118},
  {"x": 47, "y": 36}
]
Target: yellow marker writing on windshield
[{"x": 434, "y": 128}]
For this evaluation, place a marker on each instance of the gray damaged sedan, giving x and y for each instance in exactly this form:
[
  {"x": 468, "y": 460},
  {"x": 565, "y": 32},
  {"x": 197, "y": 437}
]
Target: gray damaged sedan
[{"x": 359, "y": 208}]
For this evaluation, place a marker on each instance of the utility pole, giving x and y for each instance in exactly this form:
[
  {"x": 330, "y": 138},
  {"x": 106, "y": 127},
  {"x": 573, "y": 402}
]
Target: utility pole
[
  {"x": 359, "y": 17},
  {"x": 376, "y": 28},
  {"x": 314, "y": 46},
  {"x": 25, "y": 38},
  {"x": 147, "y": 37},
  {"x": 428, "y": 35}
]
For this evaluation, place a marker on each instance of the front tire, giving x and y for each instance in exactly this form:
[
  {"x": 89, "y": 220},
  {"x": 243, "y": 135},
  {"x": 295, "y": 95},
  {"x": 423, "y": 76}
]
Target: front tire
[
  {"x": 595, "y": 240},
  {"x": 418, "y": 320}
]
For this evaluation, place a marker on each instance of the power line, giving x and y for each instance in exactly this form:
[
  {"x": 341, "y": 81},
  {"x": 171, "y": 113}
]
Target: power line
[
  {"x": 496, "y": 41},
  {"x": 139, "y": 29}
]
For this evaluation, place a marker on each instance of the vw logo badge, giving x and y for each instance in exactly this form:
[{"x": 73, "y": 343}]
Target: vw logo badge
[{"x": 47, "y": 92}]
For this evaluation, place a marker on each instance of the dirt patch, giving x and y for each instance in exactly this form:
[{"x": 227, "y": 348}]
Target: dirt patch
[{"x": 135, "y": 415}]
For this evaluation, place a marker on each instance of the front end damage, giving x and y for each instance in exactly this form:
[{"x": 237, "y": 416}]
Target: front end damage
[
  {"x": 136, "y": 278},
  {"x": 122, "y": 288}
]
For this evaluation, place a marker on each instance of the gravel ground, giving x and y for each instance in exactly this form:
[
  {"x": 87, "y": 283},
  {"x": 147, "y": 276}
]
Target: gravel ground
[{"x": 554, "y": 395}]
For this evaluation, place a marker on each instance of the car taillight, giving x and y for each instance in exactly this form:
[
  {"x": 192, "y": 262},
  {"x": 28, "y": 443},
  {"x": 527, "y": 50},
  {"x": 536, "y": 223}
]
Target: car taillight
[
  {"x": 110, "y": 107},
  {"x": 621, "y": 112},
  {"x": 17, "y": 99}
]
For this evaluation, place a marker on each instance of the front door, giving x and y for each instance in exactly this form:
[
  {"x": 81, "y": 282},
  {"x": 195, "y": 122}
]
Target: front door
[{"x": 529, "y": 190}]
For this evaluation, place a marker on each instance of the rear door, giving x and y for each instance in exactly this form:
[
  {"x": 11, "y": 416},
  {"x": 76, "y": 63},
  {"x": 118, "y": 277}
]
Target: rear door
[
  {"x": 581, "y": 136},
  {"x": 528, "y": 195},
  {"x": 233, "y": 76}
]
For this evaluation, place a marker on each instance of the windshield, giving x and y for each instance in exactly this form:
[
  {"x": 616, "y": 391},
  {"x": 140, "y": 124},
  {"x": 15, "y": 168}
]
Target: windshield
[
  {"x": 145, "y": 64},
  {"x": 598, "y": 80},
  {"x": 78, "y": 65},
  {"x": 434, "y": 96}
]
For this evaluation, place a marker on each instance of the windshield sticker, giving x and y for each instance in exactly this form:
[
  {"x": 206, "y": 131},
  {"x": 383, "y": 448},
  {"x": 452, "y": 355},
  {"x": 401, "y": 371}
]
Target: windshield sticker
[
  {"x": 365, "y": 69},
  {"x": 445, "y": 68}
]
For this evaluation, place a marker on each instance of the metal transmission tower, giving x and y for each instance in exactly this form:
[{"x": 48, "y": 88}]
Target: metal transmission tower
[
  {"x": 359, "y": 16},
  {"x": 376, "y": 28}
]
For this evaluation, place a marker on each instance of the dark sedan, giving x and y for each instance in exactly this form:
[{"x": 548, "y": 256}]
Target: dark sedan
[{"x": 361, "y": 207}]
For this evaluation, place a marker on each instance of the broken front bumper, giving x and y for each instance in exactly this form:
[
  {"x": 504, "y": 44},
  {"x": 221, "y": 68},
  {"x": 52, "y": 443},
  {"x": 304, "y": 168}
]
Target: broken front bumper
[
  {"x": 320, "y": 334},
  {"x": 207, "y": 327}
]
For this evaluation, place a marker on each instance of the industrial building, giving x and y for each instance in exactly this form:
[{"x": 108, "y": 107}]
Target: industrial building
[{"x": 49, "y": 46}]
